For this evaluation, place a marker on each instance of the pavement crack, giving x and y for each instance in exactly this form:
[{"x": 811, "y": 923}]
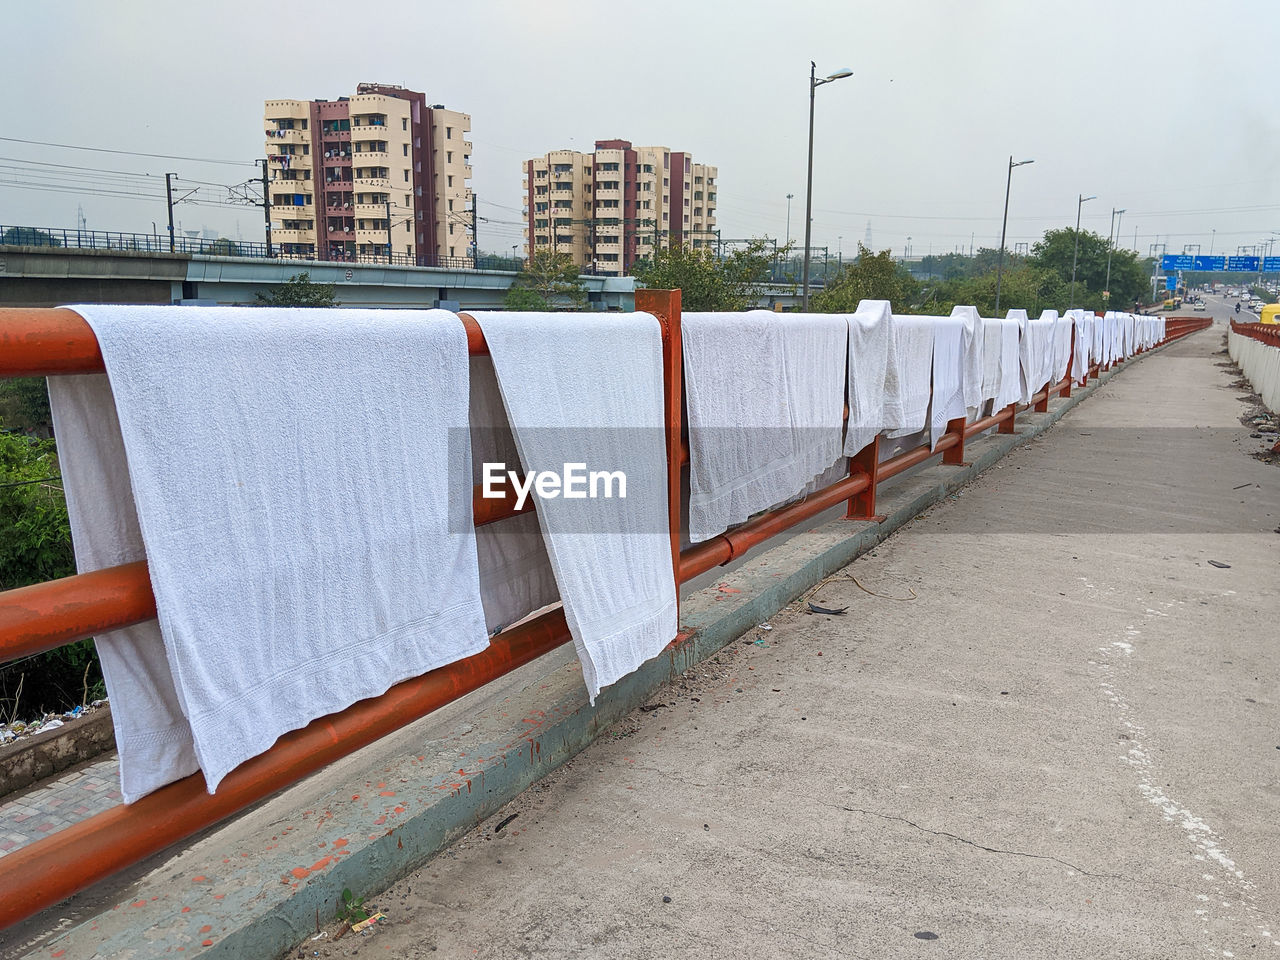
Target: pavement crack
[{"x": 973, "y": 843}]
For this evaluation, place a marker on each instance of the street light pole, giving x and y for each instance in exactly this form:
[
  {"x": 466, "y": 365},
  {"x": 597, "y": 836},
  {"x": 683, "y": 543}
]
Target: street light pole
[
  {"x": 1003, "y": 225},
  {"x": 1115, "y": 232},
  {"x": 814, "y": 84},
  {"x": 1075, "y": 257},
  {"x": 789, "y": 198}
]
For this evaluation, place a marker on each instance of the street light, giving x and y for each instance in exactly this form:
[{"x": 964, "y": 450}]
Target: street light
[
  {"x": 1115, "y": 232},
  {"x": 814, "y": 84},
  {"x": 1003, "y": 224},
  {"x": 790, "y": 196},
  {"x": 1075, "y": 257}
]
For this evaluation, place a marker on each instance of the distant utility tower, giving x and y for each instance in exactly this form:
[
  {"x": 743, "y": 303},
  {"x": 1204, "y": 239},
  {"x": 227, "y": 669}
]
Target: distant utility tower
[{"x": 867, "y": 242}]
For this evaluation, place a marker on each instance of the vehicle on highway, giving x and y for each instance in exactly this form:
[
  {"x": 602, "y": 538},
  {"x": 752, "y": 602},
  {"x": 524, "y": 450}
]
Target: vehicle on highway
[
  {"x": 1270, "y": 313},
  {"x": 1199, "y": 306}
]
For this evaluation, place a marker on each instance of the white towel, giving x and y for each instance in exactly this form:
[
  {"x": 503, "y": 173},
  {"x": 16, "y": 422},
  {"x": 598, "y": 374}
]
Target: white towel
[
  {"x": 973, "y": 339},
  {"x": 587, "y": 389},
  {"x": 1055, "y": 344},
  {"x": 515, "y": 572},
  {"x": 815, "y": 347},
  {"x": 992, "y": 354},
  {"x": 1010, "y": 365},
  {"x": 742, "y": 450},
  {"x": 870, "y": 337},
  {"x": 293, "y": 472},
  {"x": 1083, "y": 325},
  {"x": 1063, "y": 338},
  {"x": 1035, "y": 354},
  {"x": 1001, "y": 383},
  {"x": 908, "y": 375},
  {"x": 948, "y": 375},
  {"x": 1111, "y": 336}
]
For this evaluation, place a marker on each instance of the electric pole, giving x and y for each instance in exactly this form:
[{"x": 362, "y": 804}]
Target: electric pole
[
  {"x": 388, "y": 228},
  {"x": 266, "y": 207},
  {"x": 168, "y": 194},
  {"x": 475, "y": 227}
]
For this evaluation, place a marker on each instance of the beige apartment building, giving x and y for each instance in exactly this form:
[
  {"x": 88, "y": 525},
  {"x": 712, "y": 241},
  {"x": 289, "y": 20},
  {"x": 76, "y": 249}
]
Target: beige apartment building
[
  {"x": 358, "y": 177},
  {"x": 609, "y": 208}
]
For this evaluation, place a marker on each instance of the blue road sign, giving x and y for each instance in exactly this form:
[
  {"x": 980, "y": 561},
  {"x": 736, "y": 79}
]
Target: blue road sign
[
  {"x": 1210, "y": 263},
  {"x": 1177, "y": 261},
  {"x": 1271, "y": 264},
  {"x": 1171, "y": 283},
  {"x": 1243, "y": 264}
]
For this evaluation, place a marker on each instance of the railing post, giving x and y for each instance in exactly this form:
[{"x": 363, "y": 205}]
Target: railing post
[
  {"x": 665, "y": 305},
  {"x": 955, "y": 456},
  {"x": 1007, "y": 426},
  {"x": 862, "y": 506}
]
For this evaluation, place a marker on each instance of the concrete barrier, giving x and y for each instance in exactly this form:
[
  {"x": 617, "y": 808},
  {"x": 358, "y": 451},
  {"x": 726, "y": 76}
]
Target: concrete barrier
[{"x": 1261, "y": 365}]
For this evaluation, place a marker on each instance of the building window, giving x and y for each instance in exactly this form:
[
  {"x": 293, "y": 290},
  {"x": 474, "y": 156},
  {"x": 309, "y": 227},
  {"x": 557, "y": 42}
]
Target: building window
[
  {"x": 406, "y": 176},
  {"x": 450, "y": 179},
  {"x": 451, "y": 229},
  {"x": 406, "y": 149},
  {"x": 448, "y": 156},
  {"x": 448, "y": 133},
  {"x": 404, "y": 123}
]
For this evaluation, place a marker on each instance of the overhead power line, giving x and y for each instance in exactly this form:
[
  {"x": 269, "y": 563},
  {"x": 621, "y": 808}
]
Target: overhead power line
[{"x": 128, "y": 153}]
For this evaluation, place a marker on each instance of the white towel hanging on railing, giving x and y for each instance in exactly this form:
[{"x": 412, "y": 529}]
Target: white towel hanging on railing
[{"x": 293, "y": 472}]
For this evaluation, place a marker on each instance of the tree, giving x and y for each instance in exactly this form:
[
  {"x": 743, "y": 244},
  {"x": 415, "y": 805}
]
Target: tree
[
  {"x": 1130, "y": 280},
  {"x": 35, "y": 545},
  {"x": 524, "y": 299},
  {"x": 548, "y": 279},
  {"x": 29, "y": 237},
  {"x": 872, "y": 276},
  {"x": 299, "y": 291},
  {"x": 24, "y": 404},
  {"x": 705, "y": 281},
  {"x": 222, "y": 247}
]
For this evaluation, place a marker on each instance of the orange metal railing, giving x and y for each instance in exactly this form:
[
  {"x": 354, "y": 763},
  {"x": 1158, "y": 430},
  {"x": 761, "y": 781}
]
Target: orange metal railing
[
  {"x": 54, "y": 342},
  {"x": 1268, "y": 333}
]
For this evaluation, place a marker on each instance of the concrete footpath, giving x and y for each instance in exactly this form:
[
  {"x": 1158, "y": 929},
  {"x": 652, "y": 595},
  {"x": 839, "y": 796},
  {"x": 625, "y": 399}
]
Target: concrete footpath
[{"x": 1047, "y": 726}]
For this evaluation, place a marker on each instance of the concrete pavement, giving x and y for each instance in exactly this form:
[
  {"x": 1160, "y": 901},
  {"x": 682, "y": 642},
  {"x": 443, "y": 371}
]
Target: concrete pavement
[{"x": 1048, "y": 726}]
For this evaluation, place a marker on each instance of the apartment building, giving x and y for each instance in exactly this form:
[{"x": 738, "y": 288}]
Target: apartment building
[
  {"x": 356, "y": 177},
  {"x": 610, "y": 208}
]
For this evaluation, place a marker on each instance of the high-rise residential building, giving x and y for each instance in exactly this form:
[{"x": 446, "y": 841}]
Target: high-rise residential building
[
  {"x": 610, "y": 208},
  {"x": 356, "y": 177}
]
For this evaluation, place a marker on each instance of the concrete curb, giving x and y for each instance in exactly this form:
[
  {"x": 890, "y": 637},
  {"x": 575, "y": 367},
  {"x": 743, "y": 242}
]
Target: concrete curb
[
  {"x": 48, "y": 753},
  {"x": 256, "y": 888}
]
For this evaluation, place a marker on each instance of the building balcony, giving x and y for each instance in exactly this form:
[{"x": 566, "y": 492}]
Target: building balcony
[
  {"x": 379, "y": 157},
  {"x": 293, "y": 236},
  {"x": 371, "y": 209},
  {"x": 295, "y": 135},
  {"x": 372, "y": 183}
]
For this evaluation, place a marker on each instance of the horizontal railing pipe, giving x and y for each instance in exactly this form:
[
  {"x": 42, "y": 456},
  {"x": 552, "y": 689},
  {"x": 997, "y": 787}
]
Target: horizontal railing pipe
[
  {"x": 46, "y": 615},
  {"x": 55, "y": 867},
  {"x": 719, "y": 550},
  {"x": 55, "y": 341}
]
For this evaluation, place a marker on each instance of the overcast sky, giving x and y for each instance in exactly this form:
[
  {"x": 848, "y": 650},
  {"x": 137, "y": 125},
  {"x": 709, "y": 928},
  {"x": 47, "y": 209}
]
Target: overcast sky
[{"x": 1165, "y": 109}]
